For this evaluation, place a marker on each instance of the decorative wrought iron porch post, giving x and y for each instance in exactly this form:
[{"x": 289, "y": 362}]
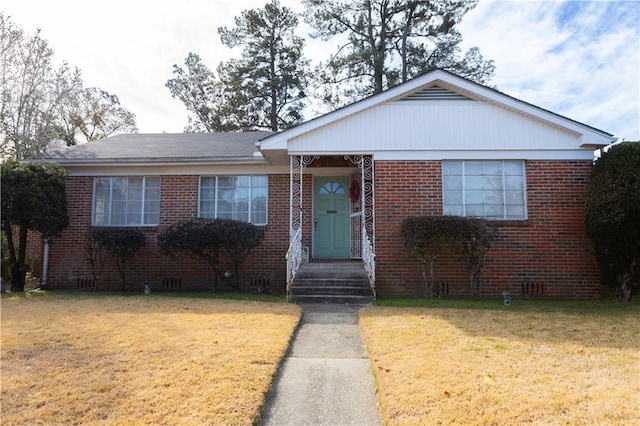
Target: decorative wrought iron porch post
[
  {"x": 367, "y": 197},
  {"x": 296, "y": 175}
]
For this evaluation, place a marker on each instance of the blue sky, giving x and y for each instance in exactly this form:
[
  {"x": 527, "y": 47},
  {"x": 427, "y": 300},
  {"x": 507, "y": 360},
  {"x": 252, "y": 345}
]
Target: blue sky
[{"x": 580, "y": 59}]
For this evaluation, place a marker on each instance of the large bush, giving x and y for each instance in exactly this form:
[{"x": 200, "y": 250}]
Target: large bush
[
  {"x": 33, "y": 198},
  {"x": 121, "y": 243},
  {"x": 206, "y": 239},
  {"x": 428, "y": 237},
  {"x": 612, "y": 217}
]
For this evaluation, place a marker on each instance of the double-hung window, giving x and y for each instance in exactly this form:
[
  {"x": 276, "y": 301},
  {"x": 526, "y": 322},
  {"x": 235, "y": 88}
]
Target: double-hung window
[
  {"x": 126, "y": 201},
  {"x": 489, "y": 189},
  {"x": 234, "y": 197}
]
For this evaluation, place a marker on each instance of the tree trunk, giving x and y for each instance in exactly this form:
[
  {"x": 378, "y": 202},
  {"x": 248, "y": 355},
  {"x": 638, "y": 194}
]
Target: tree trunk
[
  {"x": 273, "y": 110},
  {"x": 18, "y": 278},
  {"x": 378, "y": 52},
  {"x": 18, "y": 263},
  {"x": 121, "y": 268},
  {"x": 625, "y": 290},
  {"x": 405, "y": 34}
]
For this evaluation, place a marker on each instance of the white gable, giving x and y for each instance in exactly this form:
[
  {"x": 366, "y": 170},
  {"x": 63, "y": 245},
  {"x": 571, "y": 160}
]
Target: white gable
[
  {"x": 435, "y": 126},
  {"x": 440, "y": 116}
]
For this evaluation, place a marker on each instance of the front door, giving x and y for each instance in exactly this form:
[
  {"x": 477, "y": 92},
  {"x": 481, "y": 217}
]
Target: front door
[{"x": 331, "y": 217}]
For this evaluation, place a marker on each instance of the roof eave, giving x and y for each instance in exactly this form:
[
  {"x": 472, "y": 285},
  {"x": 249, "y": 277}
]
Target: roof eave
[
  {"x": 138, "y": 162},
  {"x": 279, "y": 141}
]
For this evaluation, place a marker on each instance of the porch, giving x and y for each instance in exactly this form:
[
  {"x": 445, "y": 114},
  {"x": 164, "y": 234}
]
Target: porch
[{"x": 331, "y": 217}]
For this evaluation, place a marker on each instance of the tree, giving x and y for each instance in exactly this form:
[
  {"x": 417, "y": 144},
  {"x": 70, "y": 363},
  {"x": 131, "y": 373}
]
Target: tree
[
  {"x": 94, "y": 114},
  {"x": 206, "y": 238},
  {"x": 428, "y": 237},
  {"x": 612, "y": 217},
  {"x": 33, "y": 198},
  {"x": 202, "y": 93},
  {"x": 263, "y": 89},
  {"x": 39, "y": 101},
  {"x": 268, "y": 82},
  {"x": 239, "y": 239},
  {"x": 121, "y": 243},
  {"x": 390, "y": 41},
  {"x": 26, "y": 114},
  {"x": 476, "y": 237},
  {"x": 198, "y": 237}
]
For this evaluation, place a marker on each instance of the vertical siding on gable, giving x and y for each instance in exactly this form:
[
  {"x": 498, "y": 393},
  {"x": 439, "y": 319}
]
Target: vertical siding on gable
[{"x": 440, "y": 125}]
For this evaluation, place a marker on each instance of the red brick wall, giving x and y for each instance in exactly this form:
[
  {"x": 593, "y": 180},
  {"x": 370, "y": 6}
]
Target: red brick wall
[
  {"x": 68, "y": 267},
  {"x": 549, "y": 253}
]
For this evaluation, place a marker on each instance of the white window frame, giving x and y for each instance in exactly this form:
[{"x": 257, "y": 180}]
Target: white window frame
[
  {"x": 504, "y": 190},
  {"x": 110, "y": 202},
  {"x": 216, "y": 198}
]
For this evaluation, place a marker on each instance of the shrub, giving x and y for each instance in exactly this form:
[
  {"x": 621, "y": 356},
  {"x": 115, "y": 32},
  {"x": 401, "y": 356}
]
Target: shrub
[
  {"x": 205, "y": 238},
  {"x": 121, "y": 243},
  {"x": 33, "y": 198},
  {"x": 475, "y": 236},
  {"x": 428, "y": 237},
  {"x": 612, "y": 217},
  {"x": 238, "y": 239}
]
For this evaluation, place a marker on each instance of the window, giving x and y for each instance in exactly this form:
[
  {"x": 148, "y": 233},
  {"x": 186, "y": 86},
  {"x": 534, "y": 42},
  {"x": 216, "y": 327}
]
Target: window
[
  {"x": 126, "y": 201},
  {"x": 489, "y": 189},
  {"x": 331, "y": 188},
  {"x": 234, "y": 197}
]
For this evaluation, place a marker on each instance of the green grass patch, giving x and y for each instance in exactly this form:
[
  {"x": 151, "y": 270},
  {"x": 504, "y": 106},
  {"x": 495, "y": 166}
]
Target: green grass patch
[
  {"x": 602, "y": 306},
  {"x": 74, "y": 294}
]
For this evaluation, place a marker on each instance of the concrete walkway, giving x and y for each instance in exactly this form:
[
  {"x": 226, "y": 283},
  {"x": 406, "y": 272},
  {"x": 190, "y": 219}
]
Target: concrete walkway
[{"x": 325, "y": 378}]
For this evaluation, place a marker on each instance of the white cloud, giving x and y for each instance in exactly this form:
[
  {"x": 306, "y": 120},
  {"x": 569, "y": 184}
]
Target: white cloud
[{"x": 578, "y": 59}]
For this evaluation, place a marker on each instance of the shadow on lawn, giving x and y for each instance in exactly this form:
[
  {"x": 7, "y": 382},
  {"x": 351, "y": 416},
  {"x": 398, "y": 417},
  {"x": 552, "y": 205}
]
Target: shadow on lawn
[
  {"x": 205, "y": 303},
  {"x": 599, "y": 324}
]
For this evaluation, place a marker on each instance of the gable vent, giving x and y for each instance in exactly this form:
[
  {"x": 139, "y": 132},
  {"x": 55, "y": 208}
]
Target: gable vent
[{"x": 435, "y": 93}]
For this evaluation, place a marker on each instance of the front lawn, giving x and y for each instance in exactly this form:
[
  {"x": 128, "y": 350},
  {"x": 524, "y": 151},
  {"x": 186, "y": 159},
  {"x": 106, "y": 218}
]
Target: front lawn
[
  {"x": 156, "y": 359},
  {"x": 477, "y": 362}
]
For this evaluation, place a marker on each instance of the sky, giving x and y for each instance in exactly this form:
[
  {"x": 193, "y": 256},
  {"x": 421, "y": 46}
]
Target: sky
[{"x": 579, "y": 59}]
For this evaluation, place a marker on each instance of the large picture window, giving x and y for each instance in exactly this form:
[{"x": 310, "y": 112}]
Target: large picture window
[
  {"x": 488, "y": 189},
  {"x": 126, "y": 201},
  {"x": 234, "y": 197}
]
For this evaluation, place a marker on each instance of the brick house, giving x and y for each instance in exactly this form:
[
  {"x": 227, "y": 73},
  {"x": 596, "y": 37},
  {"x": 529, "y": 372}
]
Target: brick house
[{"x": 338, "y": 187}]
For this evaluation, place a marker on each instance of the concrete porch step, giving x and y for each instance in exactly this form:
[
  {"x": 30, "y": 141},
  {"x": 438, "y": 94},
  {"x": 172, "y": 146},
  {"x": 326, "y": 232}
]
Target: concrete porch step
[
  {"x": 327, "y": 282},
  {"x": 333, "y": 290},
  {"x": 317, "y": 281},
  {"x": 342, "y": 299}
]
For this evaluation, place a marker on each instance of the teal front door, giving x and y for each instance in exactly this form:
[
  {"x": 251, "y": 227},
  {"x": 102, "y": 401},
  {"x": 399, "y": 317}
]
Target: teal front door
[{"x": 331, "y": 224}]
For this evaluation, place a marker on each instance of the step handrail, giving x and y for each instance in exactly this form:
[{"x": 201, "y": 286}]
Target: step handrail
[
  {"x": 294, "y": 258},
  {"x": 369, "y": 259}
]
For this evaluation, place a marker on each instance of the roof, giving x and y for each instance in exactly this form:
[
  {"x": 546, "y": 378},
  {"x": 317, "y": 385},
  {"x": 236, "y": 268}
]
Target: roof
[
  {"x": 164, "y": 147},
  {"x": 449, "y": 81}
]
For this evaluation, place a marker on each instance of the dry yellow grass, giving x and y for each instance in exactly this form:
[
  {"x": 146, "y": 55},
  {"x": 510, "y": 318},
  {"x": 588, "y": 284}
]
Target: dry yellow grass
[
  {"x": 139, "y": 359},
  {"x": 473, "y": 366}
]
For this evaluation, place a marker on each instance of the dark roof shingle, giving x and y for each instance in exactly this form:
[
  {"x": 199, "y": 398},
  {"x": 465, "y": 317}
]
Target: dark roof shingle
[{"x": 164, "y": 146}]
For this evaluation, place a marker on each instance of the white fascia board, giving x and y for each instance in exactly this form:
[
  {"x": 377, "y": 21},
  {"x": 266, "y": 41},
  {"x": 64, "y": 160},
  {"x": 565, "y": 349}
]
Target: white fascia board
[
  {"x": 589, "y": 134},
  {"x": 144, "y": 162},
  {"x": 175, "y": 170},
  {"x": 484, "y": 155}
]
